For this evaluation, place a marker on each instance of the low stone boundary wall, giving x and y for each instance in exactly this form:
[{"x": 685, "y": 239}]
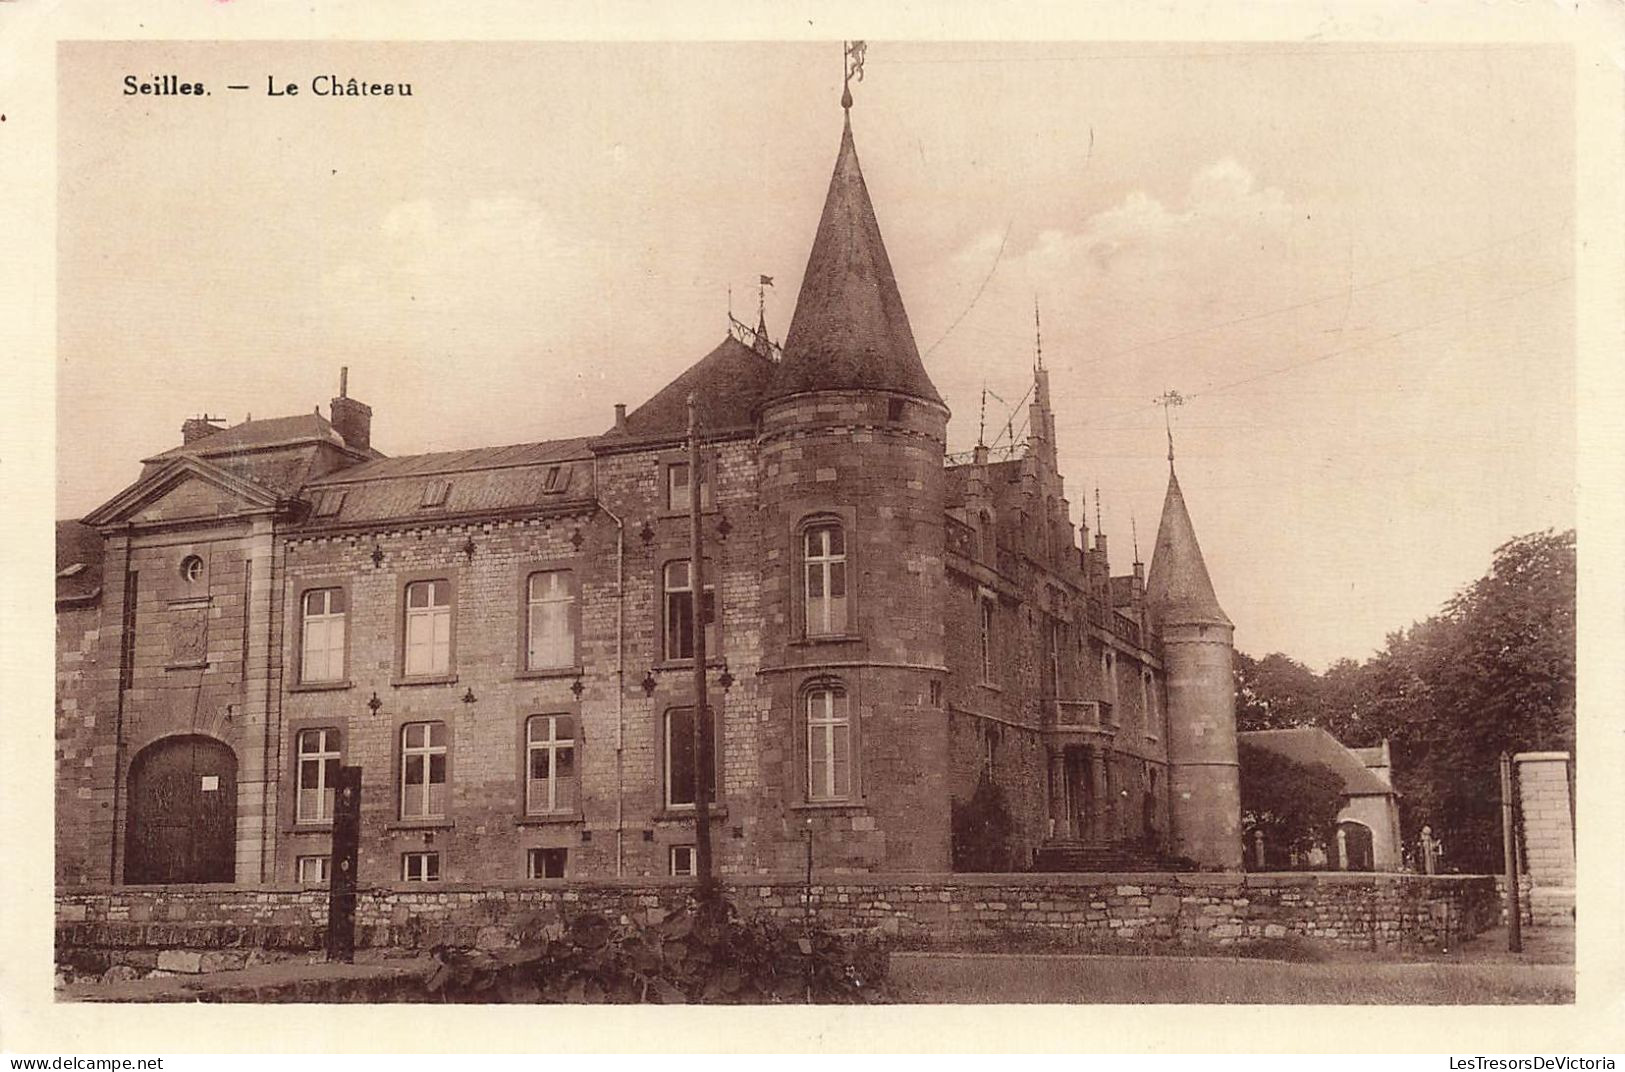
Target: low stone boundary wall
[{"x": 206, "y": 928}]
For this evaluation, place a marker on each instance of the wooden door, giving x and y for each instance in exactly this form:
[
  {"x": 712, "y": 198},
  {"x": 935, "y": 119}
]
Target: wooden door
[{"x": 182, "y": 825}]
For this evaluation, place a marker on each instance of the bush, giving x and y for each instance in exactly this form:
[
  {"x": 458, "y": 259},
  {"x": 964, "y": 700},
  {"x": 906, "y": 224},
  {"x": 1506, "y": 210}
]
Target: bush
[
  {"x": 981, "y": 830},
  {"x": 692, "y": 954}
]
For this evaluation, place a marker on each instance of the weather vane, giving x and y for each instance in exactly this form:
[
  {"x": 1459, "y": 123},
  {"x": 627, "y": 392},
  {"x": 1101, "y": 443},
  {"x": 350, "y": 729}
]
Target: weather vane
[
  {"x": 853, "y": 51},
  {"x": 1168, "y": 400}
]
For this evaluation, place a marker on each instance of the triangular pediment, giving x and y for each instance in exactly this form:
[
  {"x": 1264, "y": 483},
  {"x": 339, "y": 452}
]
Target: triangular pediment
[{"x": 186, "y": 490}]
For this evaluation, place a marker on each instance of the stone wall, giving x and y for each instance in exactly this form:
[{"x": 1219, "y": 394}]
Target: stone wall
[{"x": 206, "y": 928}]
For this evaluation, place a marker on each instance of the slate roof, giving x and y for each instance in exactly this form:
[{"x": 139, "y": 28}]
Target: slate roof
[
  {"x": 1310, "y": 745},
  {"x": 729, "y": 384},
  {"x": 263, "y": 433},
  {"x": 1178, "y": 589},
  {"x": 524, "y": 476},
  {"x": 78, "y": 545},
  {"x": 850, "y": 329}
]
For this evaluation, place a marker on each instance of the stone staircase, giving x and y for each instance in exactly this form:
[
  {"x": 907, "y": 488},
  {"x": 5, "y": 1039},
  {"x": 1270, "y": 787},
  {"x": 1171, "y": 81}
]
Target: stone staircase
[{"x": 1063, "y": 854}]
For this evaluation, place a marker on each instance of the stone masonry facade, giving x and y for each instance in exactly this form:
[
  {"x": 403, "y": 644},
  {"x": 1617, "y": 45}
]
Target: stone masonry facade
[{"x": 501, "y": 638}]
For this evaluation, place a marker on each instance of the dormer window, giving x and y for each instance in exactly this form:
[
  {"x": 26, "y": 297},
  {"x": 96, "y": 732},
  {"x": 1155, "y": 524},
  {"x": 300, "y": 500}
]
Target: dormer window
[
  {"x": 557, "y": 479},
  {"x": 329, "y": 503},
  {"x": 434, "y": 493}
]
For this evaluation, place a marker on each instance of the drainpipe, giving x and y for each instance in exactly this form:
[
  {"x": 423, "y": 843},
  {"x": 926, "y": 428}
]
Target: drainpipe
[{"x": 620, "y": 673}]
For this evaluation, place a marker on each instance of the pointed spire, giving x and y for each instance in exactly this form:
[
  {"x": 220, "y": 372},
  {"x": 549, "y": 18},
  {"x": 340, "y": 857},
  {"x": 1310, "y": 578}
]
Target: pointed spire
[
  {"x": 1178, "y": 590},
  {"x": 850, "y": 329},
  {"x": 1038, "y": 337}
]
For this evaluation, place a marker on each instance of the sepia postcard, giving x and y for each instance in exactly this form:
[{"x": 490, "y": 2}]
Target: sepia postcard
[{"x": 1063, "y": 522}]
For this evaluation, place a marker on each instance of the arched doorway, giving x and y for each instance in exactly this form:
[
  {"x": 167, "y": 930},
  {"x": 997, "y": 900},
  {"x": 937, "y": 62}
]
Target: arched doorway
[
  {"x": 183, "y": 812},
  {"x": 1355, "y": 839}
]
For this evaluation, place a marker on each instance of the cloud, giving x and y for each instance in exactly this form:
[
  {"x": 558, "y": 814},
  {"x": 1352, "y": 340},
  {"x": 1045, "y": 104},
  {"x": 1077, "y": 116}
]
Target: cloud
[
  {"x": 1223, "y": 210},
  {"x": 457, "y": 259}
]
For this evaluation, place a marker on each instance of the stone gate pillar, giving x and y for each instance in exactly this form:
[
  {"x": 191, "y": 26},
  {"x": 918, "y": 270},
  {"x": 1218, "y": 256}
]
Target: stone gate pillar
[{"x": 1548, "y": 835}]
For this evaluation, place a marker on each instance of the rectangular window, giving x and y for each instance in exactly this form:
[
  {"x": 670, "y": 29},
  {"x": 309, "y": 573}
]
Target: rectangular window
[
  {"x": 428, "y": 628},
  {"x": 423, "y": 770},
  {"x": 681, "y": 858},
  {"x": 420, "y": 867},
  {"x": 321, "y": 655},
  {"x": 829, "y": 745},
  {"x": 681, "y": 763},
  {"x": 545, "y": 863},
  {"x": 678, "y": 583},
  {"x": 985, "y": 638},
  {"x": 550, "y": 601},
  {"x": 677, "y": 498},
  {"x": 550, "y": 762},
  {"x": 318, "y": 752},
  {"x": 1052, "y": 656},
  {"x": 311, "y": 870},
  {"x": 824, "y": 564},
  {"x": 1108, "y": 670}
]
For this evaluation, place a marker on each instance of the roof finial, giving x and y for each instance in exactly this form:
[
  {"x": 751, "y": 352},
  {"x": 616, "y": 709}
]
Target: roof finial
[
  {"x": 1098, "y": 526},
  {"x": 762, "y": 345},
  {"x": 1167, "y": 400},
  {"x": 1038, "y": 334},
  {"x": 344, "y": 381},
  {"x": 853, "y": 57},
  {"x": 1134, "y": 533}
]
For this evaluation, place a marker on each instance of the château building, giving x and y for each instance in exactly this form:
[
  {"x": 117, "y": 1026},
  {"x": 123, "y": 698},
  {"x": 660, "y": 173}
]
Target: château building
[{"x": 500, "y": 637}]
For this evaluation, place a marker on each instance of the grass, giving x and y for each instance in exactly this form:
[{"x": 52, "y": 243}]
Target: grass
[
  {"x": 1021, "y": 979},
  {"x": 1050, "y": 942}
]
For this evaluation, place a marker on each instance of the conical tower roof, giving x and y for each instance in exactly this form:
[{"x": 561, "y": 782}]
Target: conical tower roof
[
  {"x": 1178, "y": 590},
  {"x": 850, "y": 330}
]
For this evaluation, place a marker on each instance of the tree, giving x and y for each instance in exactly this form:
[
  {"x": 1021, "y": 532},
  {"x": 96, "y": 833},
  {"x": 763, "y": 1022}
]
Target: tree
[
  {"x": 1294, "y": 804},
  {"x": 1493, "y": 671},
  {"x": 1275, "y": 693}
]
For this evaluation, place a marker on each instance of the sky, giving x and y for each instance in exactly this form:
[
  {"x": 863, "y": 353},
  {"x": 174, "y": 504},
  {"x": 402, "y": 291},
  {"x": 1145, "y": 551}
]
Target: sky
[{"x": 1355, "y": 262}]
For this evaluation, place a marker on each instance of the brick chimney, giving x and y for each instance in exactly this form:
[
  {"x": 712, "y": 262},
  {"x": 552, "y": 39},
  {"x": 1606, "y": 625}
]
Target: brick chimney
[
  {"x": 351, "y": 419},
  {"x": 195, "y": 428}
]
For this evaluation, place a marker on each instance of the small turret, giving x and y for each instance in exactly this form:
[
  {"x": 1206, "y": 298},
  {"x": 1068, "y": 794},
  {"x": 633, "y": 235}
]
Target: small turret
[{"x": 1205, "y": 790}]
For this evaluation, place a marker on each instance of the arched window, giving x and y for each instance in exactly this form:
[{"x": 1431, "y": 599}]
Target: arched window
[
  {"x": 824, "y": 572},
  {"x": 829, "y": 744}
]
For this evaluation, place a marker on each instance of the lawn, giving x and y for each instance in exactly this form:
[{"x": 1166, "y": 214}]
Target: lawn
[{"x": 1022, "y": 979}]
